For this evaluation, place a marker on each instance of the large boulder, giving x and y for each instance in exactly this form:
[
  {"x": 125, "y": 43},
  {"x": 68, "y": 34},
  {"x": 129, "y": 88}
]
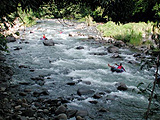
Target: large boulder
[
  {"x": 48, "y": 43},
  {"x": 113, "y": 49}
]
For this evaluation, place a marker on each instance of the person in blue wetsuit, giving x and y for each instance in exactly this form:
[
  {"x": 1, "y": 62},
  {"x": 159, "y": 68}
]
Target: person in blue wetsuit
[{"x": 118, "y": 68}]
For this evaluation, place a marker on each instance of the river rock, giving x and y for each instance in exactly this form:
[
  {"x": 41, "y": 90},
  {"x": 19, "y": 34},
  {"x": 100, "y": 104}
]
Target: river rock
[
  {"x": 62, "y": 117},
  {"x": 84, "y": 91},
  {"x": 121, "y": 86},
  {"x": 137, "y": 55},
  {"x": 71, "y": 83},
  {"x": 72, "y": 34},
  {"x": 119, "y": 43},
  {"x": 87, "y": 82},
  {"x": 28, "y": 112},
  {"x": 71, "y": 113},
  {"x": 108, "y": 39},
  {"x": 79, "y": 118},
  {"x": 10, "y": 39},
  {"x": 99, "y": 53},
  {"x": 113, "y": 49},
  {"x": 79, "y": 47},
  {"x": 22, "y": 94},
  {"x": 17, "y": 48},
  {"x": 116, "y": 55},
  {"x": 93, "y": 101},
  {"x": 97, "y": 96},
  {"x": 38, "y": 78},
  {"x": 2, "y": 58},
  {"x": 82, "y": 113},
  {"x": 91, "y": 37},
  {"x": 102, "y": 110},
  {"x": 60, "y": 109},
  {"x": 48, "y": 43}
]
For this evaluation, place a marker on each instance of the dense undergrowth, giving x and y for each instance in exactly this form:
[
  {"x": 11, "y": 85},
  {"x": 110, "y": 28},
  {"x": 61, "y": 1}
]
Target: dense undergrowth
[{"x": 133, "y": 33}]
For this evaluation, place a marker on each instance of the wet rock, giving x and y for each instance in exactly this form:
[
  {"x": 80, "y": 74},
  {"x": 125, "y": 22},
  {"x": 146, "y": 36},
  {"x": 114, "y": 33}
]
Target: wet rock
[
  {"x": 113, "y": 49},
  {"x": 102, "y": 110},
  {"x": 17, "y": 48},
  {"x": 25, "y": 105},
  {"x": 121, "y": 86},
  {"x": 79, "y": 118},
  {"x": 132, "y": 62},
  {"x": 100, "y": 53},
  {"x": 2, "y": 58},
  {"x": 62, "y": 117},
  {"x": 119, "y": 43},
  {"x": 97, "y": 96},
  {"x": 71, "y": 113},
  {"x": 46, "y": 111},
  {"x": 108, "y": 39},
  {"x": 22, "y": 66},
  {"x": 84, "y": 91},
  {"x": 24, "y": 83},
  {"x": 40, "y": 82},
  {"x": 38, "y": 78},
  {"x": 48, "y": 43},
  {"x": 36, "y": 94},
  {"x": 71, "y": 83},
  {"x": 18, "y": 107},
  {"x": 60, "y": 109},
  {"x": 137, "y": 55},
  {"x": 2, "y": 89},
  {"x": 91, "y": 37},
  {"x": 22, "y": 94},
  {"x": 26, "y": 42},
  {"x": 23, "y": 118},
  {"x": 31, "y": 70},
  {"x": 73, "y": 34},
  {"x": 11, "y": 39},
  {"x": 82, "y": 113},
  {"x": 116, "y": 55},
  {"x": 45, "y": 92},
  {"x": 93, "y": 102},
  {"x": 86, "y": 82},
  {"x": 79, "y": 47},
  {"x": 40, "y": 92},
  {"x": 28, "y": 112}
]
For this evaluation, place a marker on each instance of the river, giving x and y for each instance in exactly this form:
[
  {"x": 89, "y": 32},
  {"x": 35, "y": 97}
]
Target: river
[{"x": 63, "y": 63}]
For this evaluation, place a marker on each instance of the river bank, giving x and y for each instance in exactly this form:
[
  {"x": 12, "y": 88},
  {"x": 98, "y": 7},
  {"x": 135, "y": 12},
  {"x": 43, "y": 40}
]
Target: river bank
[{"x": 52, "y": 86}]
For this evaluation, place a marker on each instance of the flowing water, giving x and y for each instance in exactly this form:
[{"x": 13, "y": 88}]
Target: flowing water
[{"x": 64, "y": 63}]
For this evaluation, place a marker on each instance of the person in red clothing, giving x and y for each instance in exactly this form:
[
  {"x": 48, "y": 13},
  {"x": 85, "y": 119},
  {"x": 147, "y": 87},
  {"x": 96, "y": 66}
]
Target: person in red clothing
[
  {"x": 44, "y": 37},
  {"x": 119, "y": 68}
]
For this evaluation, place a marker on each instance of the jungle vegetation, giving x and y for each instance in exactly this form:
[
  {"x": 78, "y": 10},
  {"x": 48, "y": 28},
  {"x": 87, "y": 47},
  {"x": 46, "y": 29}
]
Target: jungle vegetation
[{"x": 118, "y": 11}]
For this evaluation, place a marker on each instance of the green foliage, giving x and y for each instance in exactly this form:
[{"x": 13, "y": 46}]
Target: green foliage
[
  {"x": 3, "y": 43},
  {"x": 129, "y": 33},
  {"x": 89, "y": 20}
]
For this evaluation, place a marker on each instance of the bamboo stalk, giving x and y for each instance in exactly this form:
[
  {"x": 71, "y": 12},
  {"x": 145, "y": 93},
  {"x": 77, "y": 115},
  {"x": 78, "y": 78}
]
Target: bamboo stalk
[{"x": 154, "y": 84}]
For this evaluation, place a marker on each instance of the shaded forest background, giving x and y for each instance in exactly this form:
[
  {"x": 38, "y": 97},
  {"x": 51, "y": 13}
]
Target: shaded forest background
[{"x": 101, "y": 10}]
